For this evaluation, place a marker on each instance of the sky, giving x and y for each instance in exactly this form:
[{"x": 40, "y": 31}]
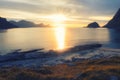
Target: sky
[{"x": 79, "y": 13}]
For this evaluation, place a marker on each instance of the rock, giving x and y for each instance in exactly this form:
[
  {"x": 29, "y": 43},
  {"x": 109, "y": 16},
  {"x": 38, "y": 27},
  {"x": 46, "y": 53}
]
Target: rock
[
  {"x": 84, "y": 47},
  {"x": 114, "y": 22},
  {"x": 4, "y": 24},
  {"x": 93, "y": 25}
]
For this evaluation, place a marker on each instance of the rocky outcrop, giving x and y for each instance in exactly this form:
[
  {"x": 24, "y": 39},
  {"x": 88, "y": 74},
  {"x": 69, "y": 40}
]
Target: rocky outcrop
[
  {"x": 4, "y": 24},
  {"x": 93, "y": 25},
  {"x": 114, "y": 22}
]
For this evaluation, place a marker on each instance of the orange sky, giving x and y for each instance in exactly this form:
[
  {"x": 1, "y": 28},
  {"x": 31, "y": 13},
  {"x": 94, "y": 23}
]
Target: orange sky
[{"x": 78, "y": 13}]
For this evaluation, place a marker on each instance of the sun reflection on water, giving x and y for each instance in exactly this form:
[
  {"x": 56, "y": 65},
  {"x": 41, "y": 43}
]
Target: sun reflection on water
[
  {"x": 59, "y": 29},
  {"x": 60, "y": 37}
]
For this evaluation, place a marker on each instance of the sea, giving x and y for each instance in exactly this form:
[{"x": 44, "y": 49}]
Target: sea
[{"x": 56, "y": 38}]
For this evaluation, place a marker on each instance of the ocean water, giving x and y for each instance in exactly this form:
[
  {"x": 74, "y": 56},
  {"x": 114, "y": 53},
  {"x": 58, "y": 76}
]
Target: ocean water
[{"x": 56, "y": 38}]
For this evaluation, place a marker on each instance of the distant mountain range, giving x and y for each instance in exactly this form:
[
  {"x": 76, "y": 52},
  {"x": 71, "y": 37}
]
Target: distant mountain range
[
  {"x": 4, "y": 24},
  {"x": 25, "y": 24}
]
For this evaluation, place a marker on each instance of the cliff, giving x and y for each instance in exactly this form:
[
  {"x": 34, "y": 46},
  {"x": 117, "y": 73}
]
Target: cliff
[
  {"x": 114, "y": 22},
  {"x": 4, "y": 24}
]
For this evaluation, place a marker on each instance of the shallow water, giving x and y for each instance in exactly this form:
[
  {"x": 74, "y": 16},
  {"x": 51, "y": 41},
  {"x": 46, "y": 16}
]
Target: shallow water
[{"x": 56, "y": 38}]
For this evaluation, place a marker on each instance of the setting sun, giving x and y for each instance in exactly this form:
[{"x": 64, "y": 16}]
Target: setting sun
[
  {"x": 59, "y": 29},
  {"x": 58, "y": 18}
]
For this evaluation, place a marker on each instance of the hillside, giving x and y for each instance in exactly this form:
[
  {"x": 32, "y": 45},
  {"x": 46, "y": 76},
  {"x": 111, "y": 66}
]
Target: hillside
[
  {"x": 114, "y": 22},
  {"x": 4, "y": 24}
]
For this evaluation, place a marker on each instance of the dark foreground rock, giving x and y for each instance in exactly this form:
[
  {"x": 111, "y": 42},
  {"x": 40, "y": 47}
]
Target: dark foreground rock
[{"x": 18, "y": 55}]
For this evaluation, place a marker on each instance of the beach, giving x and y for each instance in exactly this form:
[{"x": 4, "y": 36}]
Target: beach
[{"x": 77, "y": 63}]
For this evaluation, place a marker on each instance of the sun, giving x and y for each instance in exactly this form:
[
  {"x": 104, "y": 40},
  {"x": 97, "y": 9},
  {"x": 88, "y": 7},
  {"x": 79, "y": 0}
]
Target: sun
[{"x": 58, "y": 17}]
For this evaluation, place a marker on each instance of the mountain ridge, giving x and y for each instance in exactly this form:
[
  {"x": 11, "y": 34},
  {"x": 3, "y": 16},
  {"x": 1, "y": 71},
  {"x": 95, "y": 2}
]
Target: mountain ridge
[
  {"x": 4, "y": 24},
  {"x": 26, "y": 24},
  {"x": 115, "y": 21}
]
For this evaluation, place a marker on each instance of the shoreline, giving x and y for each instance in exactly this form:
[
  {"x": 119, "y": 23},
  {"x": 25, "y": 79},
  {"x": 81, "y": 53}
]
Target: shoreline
[
  {"x": 39, "y": 58},
  {"x": 77, "y": 63}
]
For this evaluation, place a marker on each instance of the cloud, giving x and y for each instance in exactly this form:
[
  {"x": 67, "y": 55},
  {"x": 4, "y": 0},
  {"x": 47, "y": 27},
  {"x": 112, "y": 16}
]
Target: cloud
[
  {"x": 97, "y": 7},
  {"x": 18, "y": 6},
  {"x": 76, "y": 7},
  {"x": 79, "y": 10}
]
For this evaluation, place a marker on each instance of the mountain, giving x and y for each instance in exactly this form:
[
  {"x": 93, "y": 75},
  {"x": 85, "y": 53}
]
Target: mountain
[
  {"x": 23, "y": 23},
  {"x": 4, "y": 24},
  {"x": 114, "y": 22},
  {"x": 93, "y": 25}
]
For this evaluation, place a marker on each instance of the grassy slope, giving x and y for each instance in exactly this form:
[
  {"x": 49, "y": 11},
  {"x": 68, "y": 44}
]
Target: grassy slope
[{"x": 101, "y": 69}]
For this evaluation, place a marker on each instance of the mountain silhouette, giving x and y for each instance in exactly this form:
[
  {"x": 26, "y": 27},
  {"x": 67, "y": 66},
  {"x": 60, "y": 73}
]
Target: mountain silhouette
[
  {"x": 114, "y": 22},
  {"x": 93, "y": 25},
  {"x": 25, "y": 24},
  {"x": 4, "y": 24}
]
